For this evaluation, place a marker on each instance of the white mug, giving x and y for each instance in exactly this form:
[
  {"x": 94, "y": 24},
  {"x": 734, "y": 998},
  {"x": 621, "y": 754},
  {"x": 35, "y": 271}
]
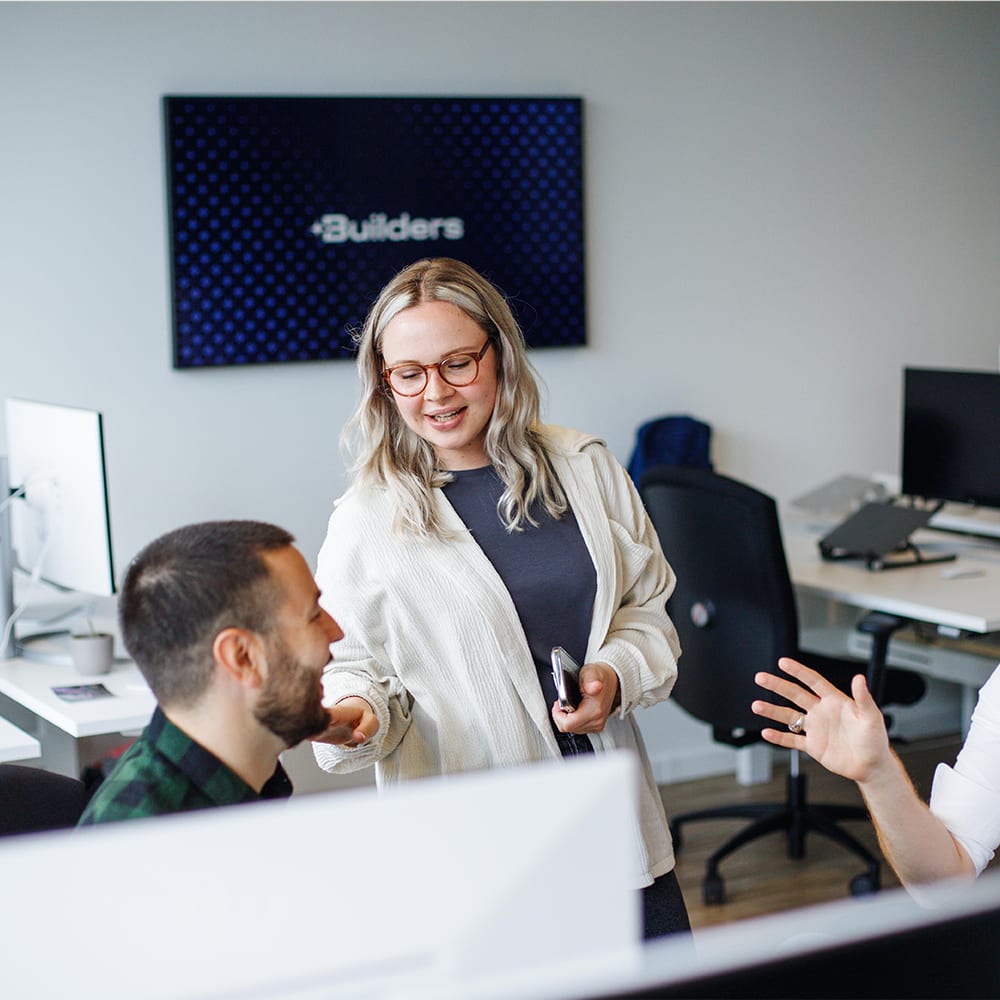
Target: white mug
[{"x": 92, "y": 652}]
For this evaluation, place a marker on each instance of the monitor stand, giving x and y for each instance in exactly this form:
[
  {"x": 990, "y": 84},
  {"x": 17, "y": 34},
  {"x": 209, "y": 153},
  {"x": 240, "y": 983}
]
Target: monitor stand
[
  {"x": 45, "y": 647},
  {"x": 980, "y": 522},
  {"x": 7, "y": 647},
  {"x": 50, "y": 624},
  {"x": 50, "y": 645},
  {"x": 43, "y": 629}
]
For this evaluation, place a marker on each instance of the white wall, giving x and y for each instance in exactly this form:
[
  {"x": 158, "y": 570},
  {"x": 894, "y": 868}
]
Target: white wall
[{"x": 786, "y": 203}]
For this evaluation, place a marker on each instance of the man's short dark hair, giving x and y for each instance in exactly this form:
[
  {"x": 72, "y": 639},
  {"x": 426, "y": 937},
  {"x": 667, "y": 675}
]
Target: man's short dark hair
[{"x": 183, "y": 588}]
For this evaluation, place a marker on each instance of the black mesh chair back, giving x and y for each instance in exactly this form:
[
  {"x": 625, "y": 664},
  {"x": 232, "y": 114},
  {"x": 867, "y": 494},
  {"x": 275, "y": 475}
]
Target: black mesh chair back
[
  {"x": 733, "y": 605},
  {"x": 32, "y": 800}
]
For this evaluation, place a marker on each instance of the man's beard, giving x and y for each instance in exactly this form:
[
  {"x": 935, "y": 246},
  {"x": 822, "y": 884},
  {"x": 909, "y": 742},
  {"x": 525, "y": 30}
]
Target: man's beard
[{"x": 291, "y": 702}]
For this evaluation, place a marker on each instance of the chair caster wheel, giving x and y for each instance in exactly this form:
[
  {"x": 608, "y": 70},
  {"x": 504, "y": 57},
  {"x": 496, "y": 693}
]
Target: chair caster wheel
[
  {"x": 712, "y": 890},
  {"x": 864, "y": 885}
]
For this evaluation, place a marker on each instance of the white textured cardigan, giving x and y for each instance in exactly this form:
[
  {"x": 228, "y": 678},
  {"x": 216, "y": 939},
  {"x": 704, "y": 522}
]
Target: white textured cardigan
[{"x": 433, "y": 641}]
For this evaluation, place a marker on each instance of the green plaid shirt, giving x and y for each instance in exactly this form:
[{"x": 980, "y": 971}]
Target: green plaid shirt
[{"x": 165, "y": 771}]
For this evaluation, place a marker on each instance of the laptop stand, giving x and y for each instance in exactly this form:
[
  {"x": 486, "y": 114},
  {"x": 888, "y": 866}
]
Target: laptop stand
[{"x": 879, "y": 534}]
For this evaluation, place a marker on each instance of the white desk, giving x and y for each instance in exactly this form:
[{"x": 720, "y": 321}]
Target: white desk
[
  {"x": 932, "y": 594},
  {"x": 27, "y": 700},
  {"x": 16, "y": 744},
  {"x": 922, "y": 593}
]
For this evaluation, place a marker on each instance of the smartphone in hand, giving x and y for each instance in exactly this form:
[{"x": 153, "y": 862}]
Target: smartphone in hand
[{"x": 565, "y": 674}]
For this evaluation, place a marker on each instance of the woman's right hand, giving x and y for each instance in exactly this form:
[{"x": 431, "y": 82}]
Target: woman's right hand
[{"x": 352, "y": 722}]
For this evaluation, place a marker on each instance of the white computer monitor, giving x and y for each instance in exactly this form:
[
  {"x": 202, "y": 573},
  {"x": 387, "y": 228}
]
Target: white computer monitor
[
  {"x": 55, "y": 524},
  {"x": 494, "y": 882}
]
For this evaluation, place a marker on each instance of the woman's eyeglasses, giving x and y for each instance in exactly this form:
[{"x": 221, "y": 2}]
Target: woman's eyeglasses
[{"x": 410, "y": 379}]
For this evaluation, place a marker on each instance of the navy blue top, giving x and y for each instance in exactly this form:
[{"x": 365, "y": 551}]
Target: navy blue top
[{"x": 546, "y": 569}]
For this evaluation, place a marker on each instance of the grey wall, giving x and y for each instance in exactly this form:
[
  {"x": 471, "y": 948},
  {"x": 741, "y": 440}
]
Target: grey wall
[{"x": 786, "y": 204}]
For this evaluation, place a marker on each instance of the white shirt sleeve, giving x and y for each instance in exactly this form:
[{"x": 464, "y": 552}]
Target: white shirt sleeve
[{"x": 966, "y": 798}]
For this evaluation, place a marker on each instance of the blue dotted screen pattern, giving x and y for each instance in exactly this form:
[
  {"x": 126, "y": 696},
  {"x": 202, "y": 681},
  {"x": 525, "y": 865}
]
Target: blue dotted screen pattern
[{"x": 287, "y": 215}]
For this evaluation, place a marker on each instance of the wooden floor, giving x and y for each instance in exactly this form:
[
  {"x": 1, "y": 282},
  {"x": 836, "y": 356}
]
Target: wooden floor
[{"x": 760, "y": 878}]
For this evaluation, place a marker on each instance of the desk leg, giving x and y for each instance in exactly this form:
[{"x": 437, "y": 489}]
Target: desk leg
[
  {"x": 60, "y": 751},
  {"x": 69, "y": 755},
  {"x": 970, "y": 695}
]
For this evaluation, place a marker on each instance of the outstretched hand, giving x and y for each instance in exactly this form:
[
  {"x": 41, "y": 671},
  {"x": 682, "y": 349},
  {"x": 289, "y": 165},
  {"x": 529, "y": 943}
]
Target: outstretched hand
[
  {"x": 846, "y": 735},
  {"x": 598, "y": 697}
]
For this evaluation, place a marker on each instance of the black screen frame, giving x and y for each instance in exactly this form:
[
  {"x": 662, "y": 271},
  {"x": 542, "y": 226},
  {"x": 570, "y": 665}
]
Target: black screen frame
[
  {"x": 950, "y": 421},
  {"x": 257, "y": 274}
]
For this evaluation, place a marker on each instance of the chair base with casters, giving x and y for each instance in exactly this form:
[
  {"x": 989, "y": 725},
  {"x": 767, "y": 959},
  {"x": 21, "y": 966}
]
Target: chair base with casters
[{"x": 795, "y": 817}]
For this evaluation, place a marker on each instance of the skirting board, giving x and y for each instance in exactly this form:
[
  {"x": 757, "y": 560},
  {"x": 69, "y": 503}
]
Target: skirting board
[{"x": 689, "y": 765}]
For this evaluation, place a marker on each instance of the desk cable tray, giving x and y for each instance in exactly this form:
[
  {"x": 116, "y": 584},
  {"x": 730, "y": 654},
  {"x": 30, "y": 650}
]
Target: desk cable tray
[{"x": 879, "y": 534}]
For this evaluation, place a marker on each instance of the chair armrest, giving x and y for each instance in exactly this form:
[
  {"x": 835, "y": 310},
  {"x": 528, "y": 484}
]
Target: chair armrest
[{"x": 880, "y": 626}]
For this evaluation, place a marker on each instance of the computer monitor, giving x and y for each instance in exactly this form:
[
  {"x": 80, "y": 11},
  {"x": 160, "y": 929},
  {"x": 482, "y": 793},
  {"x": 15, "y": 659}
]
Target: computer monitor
[
  {"x": 880, "y": 946},
  {"x": 950, "y": 421},
  {"x": 440, "y": 889},
  {"x": 55, "y": 525}
]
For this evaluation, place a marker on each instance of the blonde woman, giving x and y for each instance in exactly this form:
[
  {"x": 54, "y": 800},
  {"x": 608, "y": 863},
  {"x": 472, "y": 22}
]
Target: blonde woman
[{"x": 471, "y": 541}]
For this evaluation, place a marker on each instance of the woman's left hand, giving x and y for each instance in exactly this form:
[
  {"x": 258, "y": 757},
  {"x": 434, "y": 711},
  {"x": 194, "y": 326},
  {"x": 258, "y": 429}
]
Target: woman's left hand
[{"x": 599, "y": 695}]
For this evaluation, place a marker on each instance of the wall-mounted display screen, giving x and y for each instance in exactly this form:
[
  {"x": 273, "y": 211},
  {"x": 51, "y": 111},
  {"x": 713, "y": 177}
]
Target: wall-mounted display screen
[{"x": 287, "y": 215}]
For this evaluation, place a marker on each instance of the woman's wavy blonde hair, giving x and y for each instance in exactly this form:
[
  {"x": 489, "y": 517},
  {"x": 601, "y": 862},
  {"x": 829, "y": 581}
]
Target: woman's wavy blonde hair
[{"x": 387, "y": 453}]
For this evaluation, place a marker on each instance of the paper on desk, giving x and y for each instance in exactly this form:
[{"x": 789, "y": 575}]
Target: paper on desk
[{"x": 81, "y": 692}]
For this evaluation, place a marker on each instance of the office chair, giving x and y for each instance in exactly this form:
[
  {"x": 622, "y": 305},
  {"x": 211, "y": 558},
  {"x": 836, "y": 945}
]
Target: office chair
[
  {"x": 32, "y": 800},
  {"x": 735, "y": 611}
]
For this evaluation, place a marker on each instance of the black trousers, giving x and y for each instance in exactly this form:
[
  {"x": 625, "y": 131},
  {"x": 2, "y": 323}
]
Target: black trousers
[{"x": 663, "y": 909}]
